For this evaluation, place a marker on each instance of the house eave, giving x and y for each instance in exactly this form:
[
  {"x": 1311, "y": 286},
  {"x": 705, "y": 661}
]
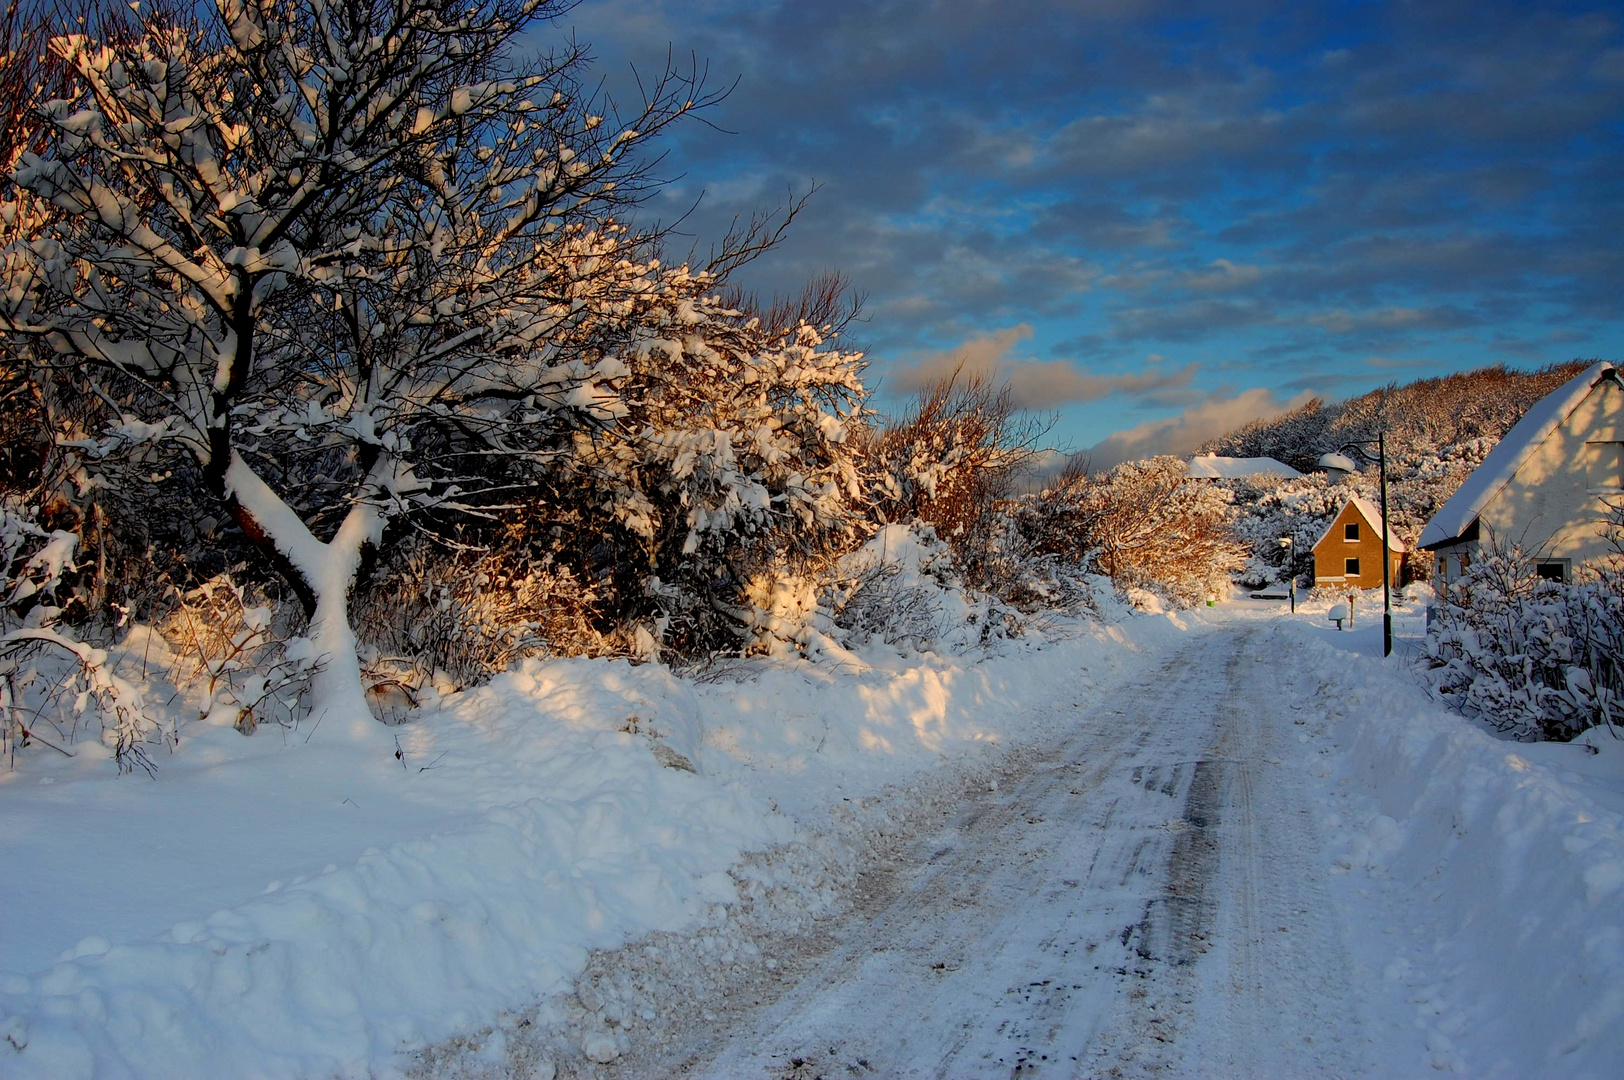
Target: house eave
[{"x": 1466, "y": 536}]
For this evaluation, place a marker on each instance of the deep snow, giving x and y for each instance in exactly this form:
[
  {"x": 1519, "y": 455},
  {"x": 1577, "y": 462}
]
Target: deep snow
[
  {"x": 304, "y": 904},
  {"x": 431, "y": 913}
]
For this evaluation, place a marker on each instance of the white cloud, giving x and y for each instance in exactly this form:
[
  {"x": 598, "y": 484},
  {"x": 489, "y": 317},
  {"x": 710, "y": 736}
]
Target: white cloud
[
  {"x": 1222, "y": 274},
  {"x": 1181, "y": 434},
  {"x": 1033, "y": 384}
]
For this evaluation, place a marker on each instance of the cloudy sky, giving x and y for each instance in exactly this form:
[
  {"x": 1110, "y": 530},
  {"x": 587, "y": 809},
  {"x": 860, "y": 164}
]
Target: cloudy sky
[{"x": 1162, "y": 219}]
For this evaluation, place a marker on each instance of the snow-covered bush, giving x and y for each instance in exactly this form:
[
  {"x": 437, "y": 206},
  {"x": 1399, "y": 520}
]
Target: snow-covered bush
[
  {"x": 54, "y": 688},
  {"x": 466, "y": 614},
  {"x": 904, "y": 587},
  {"x": 239, "y": 652},
  {"x": 732, "y": 459},
  {"x": 1538, "y": 659},
  {"x": 1144, "y": 524}
]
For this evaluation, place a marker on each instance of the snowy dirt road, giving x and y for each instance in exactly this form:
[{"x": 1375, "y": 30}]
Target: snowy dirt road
[{"x": 1141, "y": 901}]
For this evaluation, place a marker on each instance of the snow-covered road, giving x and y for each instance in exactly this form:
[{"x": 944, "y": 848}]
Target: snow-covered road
[
  {"x": 1233, "y": 843},
  {"x": 1141, "y": 901}
]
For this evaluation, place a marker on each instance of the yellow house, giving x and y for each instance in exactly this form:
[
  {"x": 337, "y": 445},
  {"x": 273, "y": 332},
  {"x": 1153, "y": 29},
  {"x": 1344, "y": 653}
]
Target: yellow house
[
  {"x": 1350, "y": 553},
  {"x": 1546, "y": 486}
]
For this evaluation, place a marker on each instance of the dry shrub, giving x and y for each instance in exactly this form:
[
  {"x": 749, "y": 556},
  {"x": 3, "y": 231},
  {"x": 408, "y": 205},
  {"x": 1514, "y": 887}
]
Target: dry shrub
[
  {"x": 458, "y": 616},
  {"x": 949, "y": 463},
  {"x": 229, "y": 643},
  {"x": 1144, "y": 524}
]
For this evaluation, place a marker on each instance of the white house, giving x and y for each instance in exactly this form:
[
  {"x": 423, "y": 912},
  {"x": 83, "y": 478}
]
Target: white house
[
  {"x": 1547, "y": 486},
  {"x": 1213, "y": 467}
]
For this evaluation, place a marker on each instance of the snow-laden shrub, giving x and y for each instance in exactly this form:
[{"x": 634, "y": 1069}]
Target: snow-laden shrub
[
  {"x": 731, "y": 459},
  {"x": 238, "y": 652},
  {"x": 903, "y": 587},
  {"x": 54, "y": 688},
  {"x": 1144, "y": 524},
  {"x": 454, "y": 617},
  {"x": 1538, "y": 659},
  {"x": 686, "y": 527}
]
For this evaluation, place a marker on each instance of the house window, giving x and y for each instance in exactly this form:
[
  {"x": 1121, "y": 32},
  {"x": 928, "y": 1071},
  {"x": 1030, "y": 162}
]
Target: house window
[
  {"x": 1552, "y": 569},
  {"x": 1350, "y": 531},
  {"x": 1604, "y": 467},
  {"x": 1350, "y": 568}
]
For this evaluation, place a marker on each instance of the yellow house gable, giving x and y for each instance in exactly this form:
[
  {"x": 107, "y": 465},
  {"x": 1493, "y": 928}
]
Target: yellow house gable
[{"x": 1350, "y": 552}]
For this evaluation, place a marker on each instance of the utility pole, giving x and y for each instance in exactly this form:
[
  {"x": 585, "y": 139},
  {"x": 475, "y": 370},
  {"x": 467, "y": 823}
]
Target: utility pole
[
  {"x": 1387, "y": 558},
  {"x": 1387, "y": 562}
]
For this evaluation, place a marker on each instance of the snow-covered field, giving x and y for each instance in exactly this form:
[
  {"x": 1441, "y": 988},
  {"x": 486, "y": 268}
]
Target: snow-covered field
[{"x": 422, "y": 900}]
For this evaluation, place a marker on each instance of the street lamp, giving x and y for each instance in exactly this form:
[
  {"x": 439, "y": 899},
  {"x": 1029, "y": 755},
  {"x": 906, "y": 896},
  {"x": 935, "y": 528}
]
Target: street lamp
[
  {"x": 1358, "y": 446},
  {"x": 1290, "y": 544}
]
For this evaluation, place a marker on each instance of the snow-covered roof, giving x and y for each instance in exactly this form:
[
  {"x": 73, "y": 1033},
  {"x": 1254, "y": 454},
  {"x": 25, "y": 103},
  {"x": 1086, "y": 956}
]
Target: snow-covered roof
[
  {"x": 1487, "y": 480},
  {"x": 1213, "y": 467},
  {"x": 1338, "y": 461},
  {"x": 1372, "y": 515}
]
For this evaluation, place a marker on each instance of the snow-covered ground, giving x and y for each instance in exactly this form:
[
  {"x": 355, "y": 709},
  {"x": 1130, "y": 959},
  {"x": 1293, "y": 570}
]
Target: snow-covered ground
[
  {"x": 1198, "y": 835},
  {"x": 312, "y": 903}
]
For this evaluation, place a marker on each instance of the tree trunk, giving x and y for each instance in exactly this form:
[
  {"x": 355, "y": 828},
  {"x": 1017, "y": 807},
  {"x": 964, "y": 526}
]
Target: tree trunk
[{"x": 326, "y": 572}]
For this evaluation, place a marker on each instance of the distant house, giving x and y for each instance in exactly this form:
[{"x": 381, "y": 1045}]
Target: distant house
[
  {"x": 1350, "y": 553},
  {"x": 1546, "y": 487},
  {"x": 1213, "y": 467}
]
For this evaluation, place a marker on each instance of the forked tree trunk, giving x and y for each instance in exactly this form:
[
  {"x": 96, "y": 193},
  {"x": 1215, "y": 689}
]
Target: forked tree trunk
[{"x": 326, "y": 573}]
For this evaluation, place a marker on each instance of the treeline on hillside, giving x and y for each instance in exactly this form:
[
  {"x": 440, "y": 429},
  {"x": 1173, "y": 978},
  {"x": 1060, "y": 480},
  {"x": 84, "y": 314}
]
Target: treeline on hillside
[
  {"x": 1426, "y": 416},
  {"x": 336, "y": 374}
]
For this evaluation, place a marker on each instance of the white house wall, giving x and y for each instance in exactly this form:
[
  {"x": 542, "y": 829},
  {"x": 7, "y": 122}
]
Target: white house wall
[{"x": 1554, "y": 504}]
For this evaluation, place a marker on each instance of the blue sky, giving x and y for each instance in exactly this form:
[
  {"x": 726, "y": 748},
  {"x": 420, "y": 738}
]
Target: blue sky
[{"x": 1163, "y": 219}]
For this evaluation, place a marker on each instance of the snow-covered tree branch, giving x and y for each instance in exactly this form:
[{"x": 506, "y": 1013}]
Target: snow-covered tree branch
[{"x": 351, "y": 257}]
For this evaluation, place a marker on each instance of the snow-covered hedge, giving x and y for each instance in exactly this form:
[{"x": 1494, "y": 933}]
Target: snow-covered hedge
[{"x": 1538, "y": 659}]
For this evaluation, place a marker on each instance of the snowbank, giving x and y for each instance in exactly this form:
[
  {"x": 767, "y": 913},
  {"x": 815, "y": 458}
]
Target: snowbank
[
  {"x": 1503, "y": 861},
  {"x": 564, "y": 807}
]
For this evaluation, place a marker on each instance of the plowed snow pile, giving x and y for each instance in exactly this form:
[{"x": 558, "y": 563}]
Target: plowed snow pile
[{"x": 1492, "y": 872}]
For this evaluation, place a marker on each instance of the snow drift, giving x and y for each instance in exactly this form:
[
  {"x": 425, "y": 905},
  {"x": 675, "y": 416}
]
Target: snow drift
[{"x": 1507, "y": 858}]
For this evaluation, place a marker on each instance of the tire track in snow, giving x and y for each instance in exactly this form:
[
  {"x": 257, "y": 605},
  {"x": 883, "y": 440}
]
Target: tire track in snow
[
  {"x": 1009, "y": 946},
  {"x": 1252, "y": 979}
]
